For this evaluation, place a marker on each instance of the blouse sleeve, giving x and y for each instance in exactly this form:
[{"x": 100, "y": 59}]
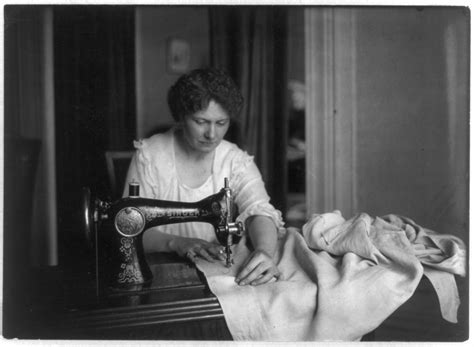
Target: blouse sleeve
[
  {"x": 249, "y": 191},
  {"x": 140, "y": 172}
]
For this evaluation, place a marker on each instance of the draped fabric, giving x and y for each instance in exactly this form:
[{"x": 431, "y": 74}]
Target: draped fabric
[
  {"x": 23, "y": 71},
  {"x": 95, "y": 101},
  {"x": 340, "y": 279},
  {"x": 28, "y": 117},
  {"x": 250, "y": 43},
  {"x": 29, "y": 226}
]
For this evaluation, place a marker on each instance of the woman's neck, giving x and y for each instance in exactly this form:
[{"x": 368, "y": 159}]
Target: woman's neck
[
  {"x": 193, "y": 167},
  {"x": 186, "y": 152}
]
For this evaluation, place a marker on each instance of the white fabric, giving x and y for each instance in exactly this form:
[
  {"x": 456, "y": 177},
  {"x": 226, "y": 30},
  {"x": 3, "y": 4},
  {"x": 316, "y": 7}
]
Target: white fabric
[
  {"x": 153, "y": 167},
  {"x": 317, "y": 298},
  {"x": 442, "y": 256},
  {"x": 338, "y": 282}
]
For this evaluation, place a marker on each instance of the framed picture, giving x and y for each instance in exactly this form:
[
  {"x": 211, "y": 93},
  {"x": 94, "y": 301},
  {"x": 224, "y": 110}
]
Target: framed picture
[{"x": 178, "y": 55}]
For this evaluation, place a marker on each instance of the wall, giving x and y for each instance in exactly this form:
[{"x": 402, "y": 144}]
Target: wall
[
  {"x": 296, "y": 43},
  {"x": 387, "y": 113},
  {"x": 411, "y": 142},
  {"x": 154, "y": 25}
]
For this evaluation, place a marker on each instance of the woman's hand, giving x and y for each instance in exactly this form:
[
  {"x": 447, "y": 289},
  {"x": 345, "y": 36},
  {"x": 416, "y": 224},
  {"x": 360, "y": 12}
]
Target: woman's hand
[
  {"x": 258, "y": 269},
  {"x": 192, "y": 248}
]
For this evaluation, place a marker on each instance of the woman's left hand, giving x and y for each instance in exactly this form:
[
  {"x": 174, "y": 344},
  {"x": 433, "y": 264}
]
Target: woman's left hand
[{"x": 258, "y": 269}]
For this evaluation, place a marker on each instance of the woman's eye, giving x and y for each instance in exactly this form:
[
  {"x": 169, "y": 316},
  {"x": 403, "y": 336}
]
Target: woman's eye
[
  {"x": 199, "y": 121},
  {"x": 223, "y": 123}
]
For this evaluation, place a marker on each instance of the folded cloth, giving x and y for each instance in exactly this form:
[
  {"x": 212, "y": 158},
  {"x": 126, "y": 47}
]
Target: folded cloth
[
  {"x": 442, "y": 252},
  {"x": 338, "y": 282},
  {"x": 442, "y": 255}
]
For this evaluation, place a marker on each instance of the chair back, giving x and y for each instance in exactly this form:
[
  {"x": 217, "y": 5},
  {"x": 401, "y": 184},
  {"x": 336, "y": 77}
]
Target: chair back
[
  {"x": 21, "y": 162},
  {"x": 118, "y": 163}
]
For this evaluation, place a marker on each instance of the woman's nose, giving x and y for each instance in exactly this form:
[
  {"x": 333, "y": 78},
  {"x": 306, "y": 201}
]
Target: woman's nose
[{"x": 211, "y": 132}]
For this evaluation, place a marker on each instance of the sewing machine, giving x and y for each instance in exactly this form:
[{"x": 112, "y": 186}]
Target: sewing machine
[{"x": 116, "y": 230}]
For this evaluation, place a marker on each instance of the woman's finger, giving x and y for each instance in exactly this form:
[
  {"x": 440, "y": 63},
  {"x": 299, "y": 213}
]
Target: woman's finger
[
  {"x": 191, "y": 255},
  {"x": 251, "y": 263},
  {"x": 263, "y": 279},
  {"x": 246, "y": 268},
  {"x": 222, "y": 254},
  {"x": 205, "y": 254},
  {"x": 217, "y": 251},
  {"x": 253, "y": 274}
]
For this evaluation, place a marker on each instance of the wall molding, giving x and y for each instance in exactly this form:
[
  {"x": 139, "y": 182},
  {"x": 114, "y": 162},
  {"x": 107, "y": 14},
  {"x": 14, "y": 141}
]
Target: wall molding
[{"x": 331, "y": 104}]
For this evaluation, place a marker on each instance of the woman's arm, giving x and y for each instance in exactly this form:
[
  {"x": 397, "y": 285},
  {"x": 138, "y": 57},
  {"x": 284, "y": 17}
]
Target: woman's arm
[
  {"x": 259, "y": 267},
  {"x": 262, "y": 221},
  {"x": 158, "y": 241},
  {"x": 263, "y": 234}
]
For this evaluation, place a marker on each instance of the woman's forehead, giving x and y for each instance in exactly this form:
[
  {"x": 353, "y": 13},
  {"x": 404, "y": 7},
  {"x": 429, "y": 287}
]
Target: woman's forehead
[{"x": 213, "y": 112}]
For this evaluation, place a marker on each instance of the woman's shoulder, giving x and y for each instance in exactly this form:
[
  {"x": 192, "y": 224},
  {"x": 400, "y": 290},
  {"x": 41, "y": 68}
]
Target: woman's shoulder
[
  {"x": 156, "y": 152},
  {"x": 158, "y": 143},
  {"x": 230, "y": 150},
  {"x": 232, "y": 156}
]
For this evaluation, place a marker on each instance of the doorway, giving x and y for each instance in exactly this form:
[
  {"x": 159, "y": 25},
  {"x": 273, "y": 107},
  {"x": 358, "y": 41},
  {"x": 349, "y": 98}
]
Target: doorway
[{"x": 296, "y": 155}]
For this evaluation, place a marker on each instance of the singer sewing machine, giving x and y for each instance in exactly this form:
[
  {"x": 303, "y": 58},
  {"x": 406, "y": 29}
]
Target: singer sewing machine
[{"x": 116, "y": 229}]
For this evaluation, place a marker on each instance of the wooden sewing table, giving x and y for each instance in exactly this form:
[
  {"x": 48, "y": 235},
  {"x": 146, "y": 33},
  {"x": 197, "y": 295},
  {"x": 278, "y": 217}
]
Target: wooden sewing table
[{"x": 178, "y": 305}]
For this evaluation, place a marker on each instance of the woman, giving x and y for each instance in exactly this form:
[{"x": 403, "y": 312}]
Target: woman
[{"x": 190, "y": 162}]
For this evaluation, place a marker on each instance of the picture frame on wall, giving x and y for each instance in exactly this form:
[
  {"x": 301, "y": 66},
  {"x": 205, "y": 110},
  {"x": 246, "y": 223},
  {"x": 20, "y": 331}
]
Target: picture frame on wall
[{"x": 178, "y": 55}]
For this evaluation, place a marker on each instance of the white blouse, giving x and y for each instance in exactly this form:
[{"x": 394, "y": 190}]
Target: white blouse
[{"x": 154, "y": 168}]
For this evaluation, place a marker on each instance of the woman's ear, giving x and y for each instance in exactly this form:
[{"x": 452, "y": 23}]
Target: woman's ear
[{"x": 180, "y": 123}]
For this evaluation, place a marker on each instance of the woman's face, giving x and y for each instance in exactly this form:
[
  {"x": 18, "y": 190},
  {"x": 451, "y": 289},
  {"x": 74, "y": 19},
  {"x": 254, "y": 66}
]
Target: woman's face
[{"x": 204, "y": 130}]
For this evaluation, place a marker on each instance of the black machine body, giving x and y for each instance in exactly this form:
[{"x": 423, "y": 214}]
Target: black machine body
[{"x": 116, "y": 229}]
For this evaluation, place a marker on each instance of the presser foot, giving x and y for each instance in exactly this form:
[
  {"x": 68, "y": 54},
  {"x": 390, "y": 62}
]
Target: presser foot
[{"x": 229, "y": 263}]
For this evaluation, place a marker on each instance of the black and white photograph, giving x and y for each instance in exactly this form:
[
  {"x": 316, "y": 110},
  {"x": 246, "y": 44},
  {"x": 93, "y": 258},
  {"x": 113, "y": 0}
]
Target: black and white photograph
[{"x": 235, "y": 172}]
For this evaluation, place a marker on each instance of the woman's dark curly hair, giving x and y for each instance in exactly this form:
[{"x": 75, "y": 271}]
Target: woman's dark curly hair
[{"x": 193, "y": 91}]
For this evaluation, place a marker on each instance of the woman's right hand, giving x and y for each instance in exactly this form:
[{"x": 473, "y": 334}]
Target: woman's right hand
[{"x": 192, "y": 248}]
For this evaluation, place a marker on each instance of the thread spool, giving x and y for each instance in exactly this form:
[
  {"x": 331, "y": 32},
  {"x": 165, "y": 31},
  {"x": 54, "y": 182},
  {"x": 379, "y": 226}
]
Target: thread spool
[{"x": 133, "y": 189}]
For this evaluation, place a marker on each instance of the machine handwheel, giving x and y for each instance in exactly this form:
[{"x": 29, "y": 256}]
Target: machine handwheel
[{"x": 88, "y": 211}]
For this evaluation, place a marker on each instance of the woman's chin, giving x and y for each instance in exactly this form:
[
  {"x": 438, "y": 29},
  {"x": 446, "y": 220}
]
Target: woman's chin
[{"x": 206, "y": 147}]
